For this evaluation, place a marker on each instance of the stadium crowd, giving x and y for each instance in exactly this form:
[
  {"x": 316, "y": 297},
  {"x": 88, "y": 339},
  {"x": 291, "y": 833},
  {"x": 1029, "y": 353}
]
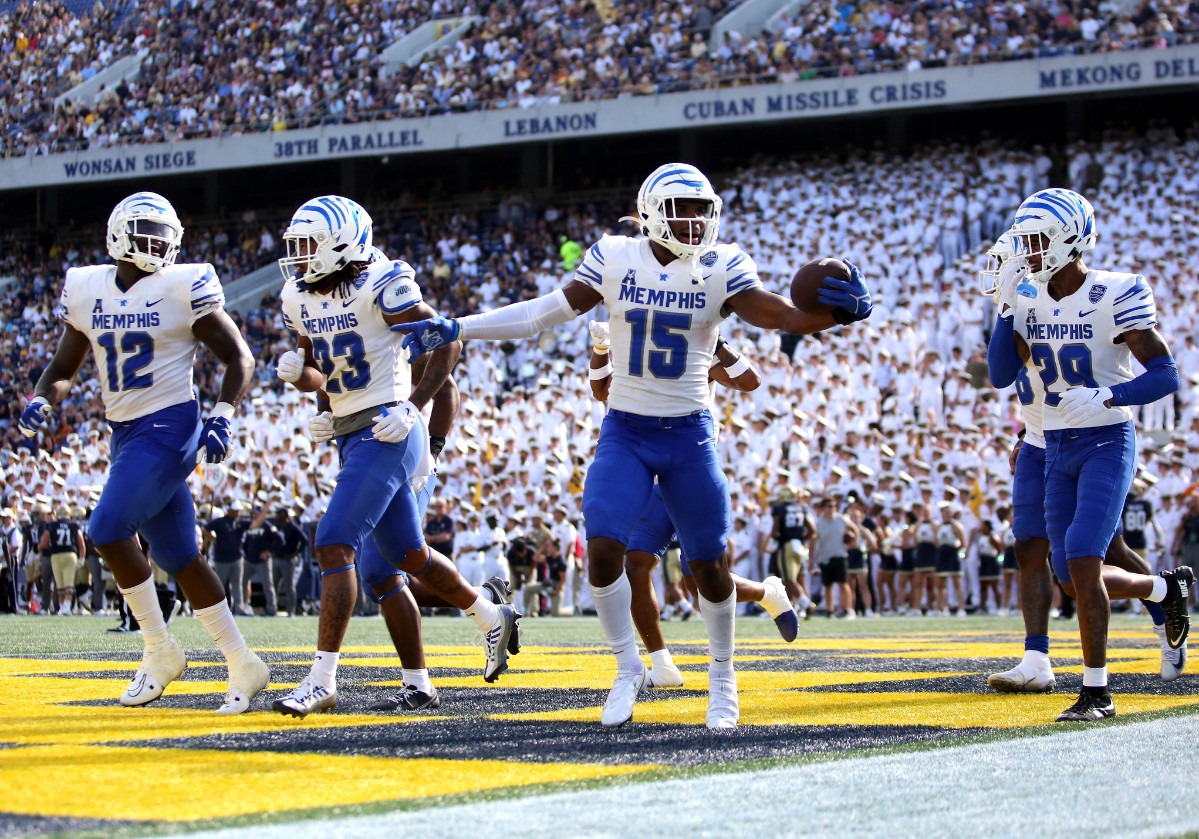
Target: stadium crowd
[
  {"x": 215, "y": 67},
  {"x": 894, "y": 421}
]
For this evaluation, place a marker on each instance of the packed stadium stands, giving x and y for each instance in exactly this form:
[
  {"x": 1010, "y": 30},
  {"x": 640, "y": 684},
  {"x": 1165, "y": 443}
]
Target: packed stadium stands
[{"x": 222, "y": 68}]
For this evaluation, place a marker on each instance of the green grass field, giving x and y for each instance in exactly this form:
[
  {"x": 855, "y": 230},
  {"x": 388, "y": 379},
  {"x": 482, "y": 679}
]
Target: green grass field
[{"x": 868, "y": 727}]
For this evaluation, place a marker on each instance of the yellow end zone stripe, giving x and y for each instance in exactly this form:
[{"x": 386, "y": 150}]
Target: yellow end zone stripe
[{"x": 192, "y": 784}]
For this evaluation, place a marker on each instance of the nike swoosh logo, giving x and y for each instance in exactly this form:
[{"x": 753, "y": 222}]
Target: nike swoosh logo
[
  {"x": 1084, "y": 314},
  {"x": 157, "y": 425},
  {"x": 348, "y": 302},
  {"x": 1105, "y": 443},
  {"x": 155, "y": 303}
]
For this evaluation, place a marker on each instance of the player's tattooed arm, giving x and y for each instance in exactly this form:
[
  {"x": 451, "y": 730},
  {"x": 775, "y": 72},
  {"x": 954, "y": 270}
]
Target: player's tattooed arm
[
  {"x": 446, "y": 403},
  {"x": 55, "y": 381},
  {"x": 439, "y": 364},
  {"x": 219, "y": 333},
  {"x": 1145, "y": 344}
]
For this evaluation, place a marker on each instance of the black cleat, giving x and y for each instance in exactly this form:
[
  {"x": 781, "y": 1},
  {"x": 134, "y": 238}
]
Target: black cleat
[
  {"x": 1089, "y": 707},
  {"x": 501, "y": 591},
  {"x": 409, "y": 699},
  {"x": 1178, "y": 589}
]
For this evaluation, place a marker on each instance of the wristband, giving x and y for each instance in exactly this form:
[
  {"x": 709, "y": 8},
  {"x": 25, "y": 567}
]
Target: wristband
[
  {"x": 598, "y": 350},
  {"x": 436, "y": 444},
  {"x": 223, "y": 410},
  {"x": 1020, "y": 434},
  {"x": 737, "y": 367},
  {"x": 597, "y": 373}
]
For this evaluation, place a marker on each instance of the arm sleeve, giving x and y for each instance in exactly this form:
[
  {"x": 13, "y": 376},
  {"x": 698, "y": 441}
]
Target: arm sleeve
[
  {"x": 1003, "y": 362},
  {"x": 1159, "y": 379},
  {"x": 520, "y": 320}
]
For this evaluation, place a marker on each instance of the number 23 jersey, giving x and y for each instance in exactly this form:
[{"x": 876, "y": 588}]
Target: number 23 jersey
[
  {"x": 1072, "y": 341},
  {"x": 142, "y": 338},
  {"x": 352, "y": 345},
  {"x": 664, "y": 322}
]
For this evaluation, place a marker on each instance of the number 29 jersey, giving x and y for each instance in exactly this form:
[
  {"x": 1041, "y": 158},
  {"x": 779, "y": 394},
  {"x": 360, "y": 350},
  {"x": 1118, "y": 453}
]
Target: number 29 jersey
[
  {"x": 354, "y": 347},
  {"x": 142, "y": 338},
  {"x": 664, "y": 322},
  {"x": 1072, "y": 341}
]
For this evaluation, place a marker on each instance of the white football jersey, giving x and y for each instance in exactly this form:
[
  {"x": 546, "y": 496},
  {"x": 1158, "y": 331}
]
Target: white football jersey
[
  {"x": 360, "y": 357},
  {"x": 663, "y": 323},
  {"x": 1031, "y": 392},
  {"x": 1072, "y": 340},
  {"x": 142, "y": 338}
]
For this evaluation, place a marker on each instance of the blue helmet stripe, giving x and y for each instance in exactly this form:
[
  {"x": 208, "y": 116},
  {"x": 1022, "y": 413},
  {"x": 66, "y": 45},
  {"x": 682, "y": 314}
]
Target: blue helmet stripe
[
  {"x": 687, "y": 177},
  {"x": 316, "y": 208}
]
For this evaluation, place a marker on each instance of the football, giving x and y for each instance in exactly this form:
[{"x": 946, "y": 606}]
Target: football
[{"x": 808, "y": 280}]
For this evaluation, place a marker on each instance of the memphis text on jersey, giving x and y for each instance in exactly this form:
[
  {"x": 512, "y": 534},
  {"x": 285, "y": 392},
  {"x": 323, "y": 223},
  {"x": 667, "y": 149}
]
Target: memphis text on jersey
[
  {"x": 125, "y": 320},
  {"x": 643, "y": 296},
  {"x": 328, "y": 322}
]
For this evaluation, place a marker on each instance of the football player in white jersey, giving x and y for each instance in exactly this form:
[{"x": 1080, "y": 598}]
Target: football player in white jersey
[
  {"x": 1080, "y": 329},
  {"x": 654, "y": 531},
  {"x": 341, "y": 296},
  {"x": 143, "y": 318},
  {"x": 667, "y": 294},
  {"x": 1034, "y": 673}
]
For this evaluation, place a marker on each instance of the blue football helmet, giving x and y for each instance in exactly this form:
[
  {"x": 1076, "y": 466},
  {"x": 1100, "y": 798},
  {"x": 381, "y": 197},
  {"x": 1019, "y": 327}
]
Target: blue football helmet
[
  {"x": 144, "y": 229},
  {"x": 656, "y": 207},
  {"x": 1057, "y": 225},
  {"x": 324, "y": 236}
]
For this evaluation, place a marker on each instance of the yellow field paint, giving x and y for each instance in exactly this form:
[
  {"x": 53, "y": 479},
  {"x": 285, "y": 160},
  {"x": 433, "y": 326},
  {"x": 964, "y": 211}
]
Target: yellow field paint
[
  {"x": 940, "y": 710},
  {"x": 189, "y": 784}
]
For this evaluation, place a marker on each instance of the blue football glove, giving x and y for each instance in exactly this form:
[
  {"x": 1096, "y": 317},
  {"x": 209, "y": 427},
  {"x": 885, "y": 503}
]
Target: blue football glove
[
  {"x": 851, "y": 299},
  {"x": 33, "y": 416},
  {"x": 422, "y": 336},
  {"x": 216, "y": 435}
]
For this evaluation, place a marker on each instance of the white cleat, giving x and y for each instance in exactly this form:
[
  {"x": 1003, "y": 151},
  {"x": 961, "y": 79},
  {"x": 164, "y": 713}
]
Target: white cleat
[
  {"x": 778, "y": 605},
  {"x": 723, "y": 707},
  {"x": 496, "y": 643},
  {"x": 307, "y": 698},
  {"x": 666, "y": 676},
  {"x": 248, "y": 677},
  {"x": 1173, "y": 661},
  {"x": 161, "y": 665},
  {"x": 618, "y": 708},
  {"x": 1018, "y": 681}
]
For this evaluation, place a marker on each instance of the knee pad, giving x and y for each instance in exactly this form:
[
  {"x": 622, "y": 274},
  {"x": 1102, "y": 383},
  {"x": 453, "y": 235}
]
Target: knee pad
[
  {"x": 349, "y": 567},
  {"x": 379, "y": 598}
]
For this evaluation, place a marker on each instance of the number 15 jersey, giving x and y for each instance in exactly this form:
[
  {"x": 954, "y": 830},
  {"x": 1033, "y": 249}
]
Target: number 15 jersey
[
  {"x": 142, "y": 338},
  {"x": 1072, "y": 340},
  {"x": 664, "y": 322}
]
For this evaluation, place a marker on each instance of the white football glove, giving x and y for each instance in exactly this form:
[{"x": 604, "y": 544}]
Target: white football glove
[
  {"x": 290, "y": 366},
  {"x": 420, "y": 483},
  {"x": 1082, "y": 405},
  {"x": 1011, "y": 274},
  {"x": 393, "y": 425},
  {"x": 320, "y": 427},
  {"x": 599, "y": 336}
]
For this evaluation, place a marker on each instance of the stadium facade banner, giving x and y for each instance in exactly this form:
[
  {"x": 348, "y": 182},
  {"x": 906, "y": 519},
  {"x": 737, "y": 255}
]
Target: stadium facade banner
[{"x": 1042, "y": 78}]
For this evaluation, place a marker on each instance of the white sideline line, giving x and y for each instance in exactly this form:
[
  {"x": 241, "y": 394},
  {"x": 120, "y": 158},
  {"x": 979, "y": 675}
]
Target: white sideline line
[{"x": 1133, "y": 780}]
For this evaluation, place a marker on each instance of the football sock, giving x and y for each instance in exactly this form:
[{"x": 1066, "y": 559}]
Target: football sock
[
  {"x": 613, "y": 604},
  {"x": 218, "y": 621},
  {"x": 1037, "y": 643},
  {"x": 660, "y": 659},
  {"x": 324, "y": 668},
  {"x": 484, "y": 613},
  {"x": 142, "y": 601},
  {"x": 486, "y": 594},
  {"x": 1159, "y": 592},
  {"x": 1094, "y": 677},
  {"x": 719, "y": 618},
  {"x": 1155, "y": 611},
  {"x": 418, "y": 679}
]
